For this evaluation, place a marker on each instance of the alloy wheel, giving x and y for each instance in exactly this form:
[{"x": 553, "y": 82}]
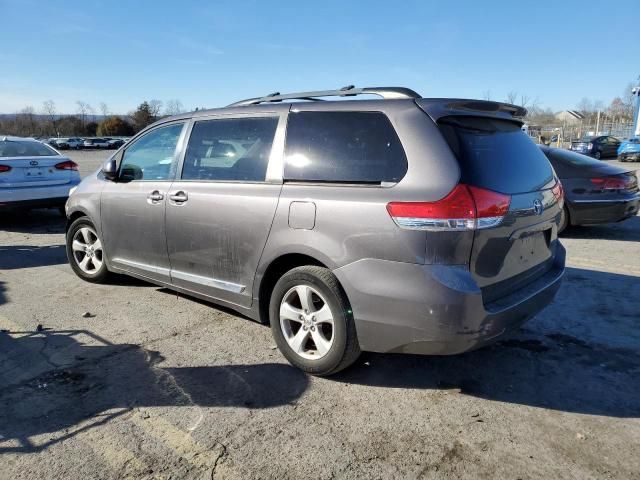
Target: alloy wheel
[
  {"x": 306, "y": 322},
  {"x": 87, "y": 250}
]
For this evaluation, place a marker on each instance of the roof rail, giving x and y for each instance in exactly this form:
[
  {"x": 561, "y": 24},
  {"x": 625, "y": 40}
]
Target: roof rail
[{"x": 387, "y": 93}]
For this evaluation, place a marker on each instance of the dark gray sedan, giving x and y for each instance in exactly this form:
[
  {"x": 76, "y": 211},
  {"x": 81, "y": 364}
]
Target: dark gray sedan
[{"x": 595, "y": 192}]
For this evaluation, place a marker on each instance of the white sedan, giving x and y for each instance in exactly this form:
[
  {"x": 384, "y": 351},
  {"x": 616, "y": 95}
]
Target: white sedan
[{"x": 34, "y": 175}]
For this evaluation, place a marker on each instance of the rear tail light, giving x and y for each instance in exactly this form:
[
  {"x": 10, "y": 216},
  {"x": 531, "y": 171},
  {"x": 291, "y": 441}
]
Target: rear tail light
[
  {"x": 612, "y": 183},
  {"x": 67, "y": 165},
  {"x": 5, "y": 168},
  {"x": 558, "y": 192},
  {"x": 464, "y": 208}
]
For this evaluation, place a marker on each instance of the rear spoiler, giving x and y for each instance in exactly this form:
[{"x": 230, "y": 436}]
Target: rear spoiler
[{"x": 437, "y": 108}]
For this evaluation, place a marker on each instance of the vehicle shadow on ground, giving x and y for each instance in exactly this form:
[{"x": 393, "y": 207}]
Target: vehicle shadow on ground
[
  {"x": 60, "y": 383},
  {"x": 578, "y": 357},
  {"x": 627, "y": 230},
  {"x": 33, "y": 221},
  {"x": 28, "y": 256}
]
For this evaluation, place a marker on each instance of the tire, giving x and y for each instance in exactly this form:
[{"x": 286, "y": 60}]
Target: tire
[
  {"x": 325, "y": 292},
  {"x": 598, "y": 155},
  {"x": 84, "y": 232},
  {"x": 564, "y": 219}
]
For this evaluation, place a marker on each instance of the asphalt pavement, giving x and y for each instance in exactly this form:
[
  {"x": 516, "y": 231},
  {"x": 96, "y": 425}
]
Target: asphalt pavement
[{"x": 129, "y": 380}]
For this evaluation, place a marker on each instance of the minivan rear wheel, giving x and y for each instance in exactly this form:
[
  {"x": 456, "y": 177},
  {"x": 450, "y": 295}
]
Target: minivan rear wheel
[
  {"x": 85, "y": 251},
  {"x": 311, "y": 321}
]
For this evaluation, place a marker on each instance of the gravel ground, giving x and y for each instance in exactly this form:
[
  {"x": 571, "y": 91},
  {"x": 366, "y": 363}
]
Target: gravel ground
[{"x": 129, "y": 380}]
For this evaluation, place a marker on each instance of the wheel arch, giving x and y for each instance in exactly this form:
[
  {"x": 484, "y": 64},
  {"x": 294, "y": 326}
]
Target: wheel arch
[
  {"x": 273, "y": 271},
  {"x": 76, "y": 215}
]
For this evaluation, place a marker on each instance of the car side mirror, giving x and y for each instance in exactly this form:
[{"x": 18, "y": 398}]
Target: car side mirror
[{"x": 110, "y": 169}]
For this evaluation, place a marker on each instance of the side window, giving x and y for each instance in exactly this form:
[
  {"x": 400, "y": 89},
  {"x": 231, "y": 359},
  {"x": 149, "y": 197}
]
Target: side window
[
  {"x": 347, "y": 147},
  {"x": 152, "y": 157},
  {"x": 230, "y": 149}
]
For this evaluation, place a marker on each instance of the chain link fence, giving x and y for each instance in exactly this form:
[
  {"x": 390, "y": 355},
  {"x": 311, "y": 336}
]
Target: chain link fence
[{"x": 562, "y": 135}]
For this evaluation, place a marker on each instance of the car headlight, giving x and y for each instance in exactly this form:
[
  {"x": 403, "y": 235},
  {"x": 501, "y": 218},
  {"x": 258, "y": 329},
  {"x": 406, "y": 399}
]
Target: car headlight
[{"x": 590, "y": 146}]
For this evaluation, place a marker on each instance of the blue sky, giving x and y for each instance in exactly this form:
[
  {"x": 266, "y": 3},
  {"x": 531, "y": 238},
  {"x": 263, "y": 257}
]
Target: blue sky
[{"x": 210, "y": 53}]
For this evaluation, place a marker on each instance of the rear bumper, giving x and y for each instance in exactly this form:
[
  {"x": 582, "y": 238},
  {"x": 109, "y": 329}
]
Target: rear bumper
[
  {"x": 591, "y": 212},
  {"x": 40, "y": 203},
  {"x": 436, "y": 309},
  {"x": 32, "y": 197},
  {"x": 629, "y": 156}
]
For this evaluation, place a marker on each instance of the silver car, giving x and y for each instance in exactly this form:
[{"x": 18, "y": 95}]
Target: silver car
[
  {"x": 34, "y": 175},
  {"x": 404, "y": 224}
]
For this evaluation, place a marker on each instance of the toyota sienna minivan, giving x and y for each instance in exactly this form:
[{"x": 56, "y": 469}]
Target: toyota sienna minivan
[{"x": 400, "y": 224}]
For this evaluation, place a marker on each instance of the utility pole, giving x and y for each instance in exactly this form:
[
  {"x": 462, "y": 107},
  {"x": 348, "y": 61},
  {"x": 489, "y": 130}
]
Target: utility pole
[
  {"x": 636, "y": 111},
  {"x": 598, "y": 123}
]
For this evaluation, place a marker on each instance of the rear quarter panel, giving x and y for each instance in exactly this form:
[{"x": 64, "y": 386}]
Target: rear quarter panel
[{"x": 351, "y": 221}]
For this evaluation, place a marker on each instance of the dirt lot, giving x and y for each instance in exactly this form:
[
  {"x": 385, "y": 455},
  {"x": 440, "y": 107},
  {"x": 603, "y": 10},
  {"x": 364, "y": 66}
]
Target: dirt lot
[{"x": 128, "y": 380}]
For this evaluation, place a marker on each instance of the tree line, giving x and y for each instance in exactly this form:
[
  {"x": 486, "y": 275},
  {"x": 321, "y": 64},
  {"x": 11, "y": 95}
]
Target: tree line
[
  {"x": 85, "y": 122},
  {"x": 619, "y": 110}
]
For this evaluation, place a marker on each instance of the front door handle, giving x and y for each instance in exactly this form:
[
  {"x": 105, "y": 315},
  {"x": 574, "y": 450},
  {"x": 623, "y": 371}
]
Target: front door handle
[
  {"x": 179, "y": 197},
  {"x": 155, "y": 196}
]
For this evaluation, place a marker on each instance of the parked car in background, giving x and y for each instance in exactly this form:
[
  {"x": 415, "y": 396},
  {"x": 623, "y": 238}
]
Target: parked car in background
[
  {"x": 603, "y": 146},
  {"x": 98, "y": 143},
  {"x": 595, "y": 192},
  {"x": 115, "y": 143},
  {"x": 34, "y": 175},
  {"x": 629, "y": 150},
  {"x": 74, "y": 143},
  {"x": 398, "y": 225}
]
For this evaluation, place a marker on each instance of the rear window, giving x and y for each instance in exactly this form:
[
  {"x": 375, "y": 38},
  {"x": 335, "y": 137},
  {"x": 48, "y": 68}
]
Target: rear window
[
  {"x": 343, "y": 147},
  {"x": 572, "y": 158},
  {"x": 17, "y": 148},
  {"x": 496, "y": 154}
]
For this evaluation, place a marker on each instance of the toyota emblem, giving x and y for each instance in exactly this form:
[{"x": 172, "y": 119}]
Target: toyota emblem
[
  {"x": 537, "y": 207},
  {"x": 33, "y": 163}
]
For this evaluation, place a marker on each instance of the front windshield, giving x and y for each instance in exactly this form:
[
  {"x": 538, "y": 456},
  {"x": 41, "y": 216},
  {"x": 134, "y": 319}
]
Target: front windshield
[{"x": 25, "y": 148}]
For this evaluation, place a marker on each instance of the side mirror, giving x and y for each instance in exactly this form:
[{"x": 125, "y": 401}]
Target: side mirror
[{"x": 110, "y": 169}]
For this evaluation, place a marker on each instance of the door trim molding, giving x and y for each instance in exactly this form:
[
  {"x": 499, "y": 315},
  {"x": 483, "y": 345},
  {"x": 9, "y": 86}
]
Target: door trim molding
[
  {"x": 209, "y": 282},
  {"x": 142, "y": 266}
]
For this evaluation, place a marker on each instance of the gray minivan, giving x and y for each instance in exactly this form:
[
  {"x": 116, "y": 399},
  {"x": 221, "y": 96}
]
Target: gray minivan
[{"x": 401, "y": 224}]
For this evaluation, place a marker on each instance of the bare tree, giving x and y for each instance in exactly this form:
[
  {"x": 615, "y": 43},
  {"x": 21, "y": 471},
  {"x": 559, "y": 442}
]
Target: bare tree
[
  {"x": 49, "y": 109},
  {"x": 512, "y": 97},
  {"x": 91, "y": 112},
  {"x": 83, "y": 110},
  {"x": 585, "y": 106},
  {"x": 104, "y": 109},
  {"x": 155, "y": 106},
  {"x": 26, "y": 121},
  {"x": 173, "y": 107}
]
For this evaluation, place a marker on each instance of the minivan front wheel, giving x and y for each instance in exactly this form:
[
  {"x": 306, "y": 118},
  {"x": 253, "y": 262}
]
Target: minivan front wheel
[
  {"x": 311, "y": 321},
  {"x": 85, "y": 251}
]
